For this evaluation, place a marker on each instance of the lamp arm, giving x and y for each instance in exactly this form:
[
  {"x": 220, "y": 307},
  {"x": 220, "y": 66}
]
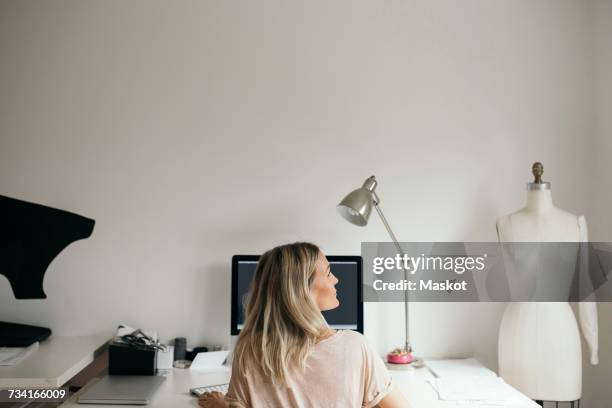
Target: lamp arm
[
  {"x": 401, "y": 251},
  {"x": 388, "y": 227}
]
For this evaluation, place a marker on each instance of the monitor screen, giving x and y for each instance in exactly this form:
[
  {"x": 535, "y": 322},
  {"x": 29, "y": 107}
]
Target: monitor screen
[{"x": 349, "y": 315}]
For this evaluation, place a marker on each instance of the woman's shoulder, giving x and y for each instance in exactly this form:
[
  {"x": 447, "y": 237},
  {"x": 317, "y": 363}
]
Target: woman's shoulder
[
  {"x": 351, "y": 343},
  {"x": 347, "y": 338},
  {"x": 351, "y": 334}
]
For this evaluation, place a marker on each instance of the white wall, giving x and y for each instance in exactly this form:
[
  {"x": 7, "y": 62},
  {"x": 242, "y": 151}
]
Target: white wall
[
  {"x": 602, "y": 184},
  {"x": 597, "y": 393},
  {"x": 195, "y": 130}
]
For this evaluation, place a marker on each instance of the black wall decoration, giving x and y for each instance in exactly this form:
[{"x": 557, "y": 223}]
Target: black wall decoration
[{"x": 31, "y": 236}]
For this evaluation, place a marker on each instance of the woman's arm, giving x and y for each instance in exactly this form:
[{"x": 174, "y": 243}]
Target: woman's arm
[{"x": 394, "y": 399}]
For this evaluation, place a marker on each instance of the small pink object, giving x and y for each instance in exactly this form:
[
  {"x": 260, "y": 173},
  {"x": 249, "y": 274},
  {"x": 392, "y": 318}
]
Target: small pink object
[{"x": 399, "y": 356}]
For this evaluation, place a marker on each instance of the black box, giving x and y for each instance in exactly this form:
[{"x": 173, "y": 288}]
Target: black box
[{"x": 124, "y": 360}]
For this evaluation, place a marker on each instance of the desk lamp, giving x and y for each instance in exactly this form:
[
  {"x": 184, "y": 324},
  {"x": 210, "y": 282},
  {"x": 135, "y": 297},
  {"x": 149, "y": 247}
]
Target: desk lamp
[{"x": 356, "y": 208}]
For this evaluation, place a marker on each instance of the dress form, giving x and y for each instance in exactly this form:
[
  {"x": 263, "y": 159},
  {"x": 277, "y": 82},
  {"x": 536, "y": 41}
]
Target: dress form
[{"x": 539, "y": 343}]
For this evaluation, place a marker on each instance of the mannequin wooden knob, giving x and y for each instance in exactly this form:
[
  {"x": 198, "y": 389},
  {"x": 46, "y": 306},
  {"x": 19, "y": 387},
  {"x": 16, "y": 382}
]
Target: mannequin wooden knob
[{"x": 537, "y": 169}]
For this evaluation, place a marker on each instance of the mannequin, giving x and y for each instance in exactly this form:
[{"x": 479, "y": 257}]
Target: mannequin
[{"x": 539, "y": 343}]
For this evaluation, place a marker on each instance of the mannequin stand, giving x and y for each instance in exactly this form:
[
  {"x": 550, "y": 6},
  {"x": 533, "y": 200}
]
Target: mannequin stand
[{"x": 573, "y": 404}]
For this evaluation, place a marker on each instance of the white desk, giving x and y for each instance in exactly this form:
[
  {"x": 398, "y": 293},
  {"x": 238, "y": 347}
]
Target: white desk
[
  {"x": 174, "y": 392},
  {"x": 56, "y": 361}
]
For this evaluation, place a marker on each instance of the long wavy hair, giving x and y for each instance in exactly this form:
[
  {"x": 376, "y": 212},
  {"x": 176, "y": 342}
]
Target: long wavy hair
[{"x": 282, "y": 320}]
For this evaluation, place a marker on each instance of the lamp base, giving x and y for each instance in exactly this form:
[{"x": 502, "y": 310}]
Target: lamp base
[{"x": 415, "y": 364}]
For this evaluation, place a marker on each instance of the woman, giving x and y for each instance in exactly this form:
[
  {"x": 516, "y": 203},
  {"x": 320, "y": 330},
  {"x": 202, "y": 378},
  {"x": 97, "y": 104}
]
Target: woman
[{"x": 287, "y": 356}]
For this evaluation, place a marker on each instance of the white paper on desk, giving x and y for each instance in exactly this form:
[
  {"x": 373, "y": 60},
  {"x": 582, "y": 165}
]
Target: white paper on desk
[
  {"x": 10, "y": 356},
  {"x": 210, "y": 361},
  {"x": 485, "y": 389},
  {"x": 460, "y": 367}
]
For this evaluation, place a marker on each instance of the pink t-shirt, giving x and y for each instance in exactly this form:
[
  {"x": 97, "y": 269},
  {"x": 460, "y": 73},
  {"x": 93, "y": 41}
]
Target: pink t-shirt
[{"x": 342, "y": 371}]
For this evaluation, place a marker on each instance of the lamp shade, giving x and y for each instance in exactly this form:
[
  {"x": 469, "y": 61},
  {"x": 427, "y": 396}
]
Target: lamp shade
[{"x": 357, "y": 205}]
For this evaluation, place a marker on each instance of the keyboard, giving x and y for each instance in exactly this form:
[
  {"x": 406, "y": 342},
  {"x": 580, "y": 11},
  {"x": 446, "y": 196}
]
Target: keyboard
[{"x": 197, "y": 391}]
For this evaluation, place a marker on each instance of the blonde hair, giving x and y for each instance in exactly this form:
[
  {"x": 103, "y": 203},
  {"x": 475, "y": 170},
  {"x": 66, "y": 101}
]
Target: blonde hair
[{"x": 282, "y": 320}]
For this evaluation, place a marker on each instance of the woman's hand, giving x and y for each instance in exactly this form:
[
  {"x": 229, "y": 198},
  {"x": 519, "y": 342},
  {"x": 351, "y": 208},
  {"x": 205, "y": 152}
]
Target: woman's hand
[{"x": 213, "y": 399}]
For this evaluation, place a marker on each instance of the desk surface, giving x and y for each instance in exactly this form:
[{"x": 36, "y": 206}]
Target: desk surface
[
  {"x": 420, "y": 394},
  {"x": 174, "y": 392},
  {"x": 57, "y": 360}
]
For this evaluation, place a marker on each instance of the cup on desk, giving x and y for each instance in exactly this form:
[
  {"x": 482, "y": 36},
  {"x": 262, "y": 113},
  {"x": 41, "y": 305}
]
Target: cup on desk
[
  {"x": 180, "y": 348},
  {"x": 165, "y": 358}
]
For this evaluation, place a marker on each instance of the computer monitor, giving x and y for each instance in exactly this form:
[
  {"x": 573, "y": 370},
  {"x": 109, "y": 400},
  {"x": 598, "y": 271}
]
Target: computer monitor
[{"x": 349, "y": 315}]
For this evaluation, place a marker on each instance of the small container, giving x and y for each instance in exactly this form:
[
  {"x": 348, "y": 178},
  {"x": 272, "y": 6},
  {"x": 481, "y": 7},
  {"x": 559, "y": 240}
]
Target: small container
[
  {"x": 403, "y": 358},
  {"x": 165, "y": 358},
  {"x": 400, "y": 355}
]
